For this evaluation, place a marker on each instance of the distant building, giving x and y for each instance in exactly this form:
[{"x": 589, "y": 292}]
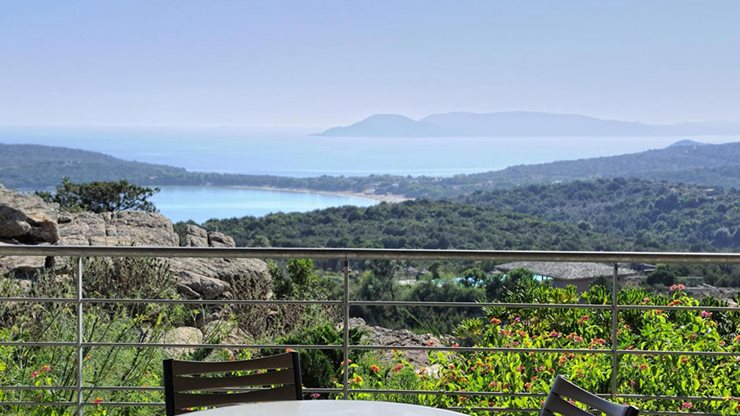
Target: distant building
[{"x": 563, "y": 274}]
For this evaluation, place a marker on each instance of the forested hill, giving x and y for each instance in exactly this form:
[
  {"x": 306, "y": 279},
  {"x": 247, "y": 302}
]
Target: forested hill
[
  {"x": 717, "y": 165},
  {"x": 654, "y": 215},
  {"x": 594, "y": 215},
  {"x": 36, "y": 166},
  {"x": 412, "y": 224}
]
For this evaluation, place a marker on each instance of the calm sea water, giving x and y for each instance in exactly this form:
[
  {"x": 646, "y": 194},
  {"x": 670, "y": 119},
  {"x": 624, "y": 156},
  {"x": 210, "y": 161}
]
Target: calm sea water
[
  {"x": 298, "y": 153},
  {"x": 182, "y": 203}
]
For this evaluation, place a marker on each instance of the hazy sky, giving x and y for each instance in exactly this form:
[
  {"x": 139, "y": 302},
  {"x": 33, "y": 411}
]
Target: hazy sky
[{"x": 322, "y": 63}]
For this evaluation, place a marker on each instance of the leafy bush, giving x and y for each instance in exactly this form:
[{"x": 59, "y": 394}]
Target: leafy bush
[{"x": 505, "y": 374}]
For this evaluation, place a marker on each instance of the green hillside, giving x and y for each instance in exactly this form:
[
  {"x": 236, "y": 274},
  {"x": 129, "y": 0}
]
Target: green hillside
[
  {"x": 654, "y": 215},
  {"x": 36, "y": 166},
  {"x": 412, "y": 224},
  {"x": 584, "y": 215}
]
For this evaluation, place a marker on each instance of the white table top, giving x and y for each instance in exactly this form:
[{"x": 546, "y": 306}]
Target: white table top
[{"x": 326, "y": 408}]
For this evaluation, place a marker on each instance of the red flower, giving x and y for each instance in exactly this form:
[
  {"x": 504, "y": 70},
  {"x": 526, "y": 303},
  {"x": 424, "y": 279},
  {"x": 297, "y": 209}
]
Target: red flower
[
  {"x": 97, "y": 401},
  {"x": 598, "y": 341},
  {"x": 315, "y": 396},
  {"x": 583, "y": 319},
  {"x": 35, "y": 374},
  {"x": 705, "y": 314},
  {"x": 555, "y": 334},
  {"x": 398, "y": 367},
  {"x": 686, "y": 405},
  {"x": 677, "y": 287}
]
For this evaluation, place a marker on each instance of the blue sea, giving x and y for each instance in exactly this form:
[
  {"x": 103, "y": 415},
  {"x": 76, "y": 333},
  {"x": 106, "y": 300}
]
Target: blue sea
[
  {"x": 298, "y": 153},
  {"x": 182, "y": 203}
]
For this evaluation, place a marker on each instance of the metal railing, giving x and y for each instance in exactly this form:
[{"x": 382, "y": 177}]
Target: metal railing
[{"x": 347, "y": 254}]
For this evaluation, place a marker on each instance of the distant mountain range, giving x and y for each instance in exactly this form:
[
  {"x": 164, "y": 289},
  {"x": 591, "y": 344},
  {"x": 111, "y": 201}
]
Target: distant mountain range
[{"x": 520, "y": 123}]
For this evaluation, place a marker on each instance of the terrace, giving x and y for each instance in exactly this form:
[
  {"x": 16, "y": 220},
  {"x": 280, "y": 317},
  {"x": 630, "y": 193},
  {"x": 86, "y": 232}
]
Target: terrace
[{"x": 79, "y": 392}]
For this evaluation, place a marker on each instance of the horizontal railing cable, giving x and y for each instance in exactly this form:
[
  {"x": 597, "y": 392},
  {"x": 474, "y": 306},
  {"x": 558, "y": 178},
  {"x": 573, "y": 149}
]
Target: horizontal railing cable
[{"x": 369, "y": 253}]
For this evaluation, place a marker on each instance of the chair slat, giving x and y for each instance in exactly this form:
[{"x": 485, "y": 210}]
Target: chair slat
[
  {"x": 181, "y": 368},
  {"x": 181, "y": 377},
  {"x": 188, "y": 400},
  {"x": 556, "y": 404},
  {"x": 563, "y": 387},
  {"x": 205, "y": 383}
]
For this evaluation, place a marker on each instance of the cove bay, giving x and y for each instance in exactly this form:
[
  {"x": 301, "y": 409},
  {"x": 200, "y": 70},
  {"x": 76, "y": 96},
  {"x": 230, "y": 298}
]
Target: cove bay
[{"x": 201, "y": 203}]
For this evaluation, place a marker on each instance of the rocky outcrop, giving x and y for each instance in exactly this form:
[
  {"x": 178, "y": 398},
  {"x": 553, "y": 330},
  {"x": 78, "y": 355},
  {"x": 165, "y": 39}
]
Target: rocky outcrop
[
  {"x": 125, "y": 228},
  {"x": 377, "y": 335},
  {"x": 221, "y": 277},
  {"x": 182, "y": 335},
  {"x": 27, "y": 219}
]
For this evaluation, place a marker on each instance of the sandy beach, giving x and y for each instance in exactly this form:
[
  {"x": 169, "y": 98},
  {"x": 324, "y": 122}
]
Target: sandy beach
[{"x": 390, "y": 198}]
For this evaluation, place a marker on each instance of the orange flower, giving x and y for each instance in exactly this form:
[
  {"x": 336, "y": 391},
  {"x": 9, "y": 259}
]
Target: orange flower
[
  {"x": 398, "y": 367},
  {"x": 356, "y": 379},
  {"x": 495, "y": 321},
  {"x": 375, "y": 369}
]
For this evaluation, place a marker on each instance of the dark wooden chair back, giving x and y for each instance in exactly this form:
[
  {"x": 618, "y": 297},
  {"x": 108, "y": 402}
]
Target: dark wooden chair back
[
  {"x": 556, "y": 402},
  {"x": 185, "y": 387}
]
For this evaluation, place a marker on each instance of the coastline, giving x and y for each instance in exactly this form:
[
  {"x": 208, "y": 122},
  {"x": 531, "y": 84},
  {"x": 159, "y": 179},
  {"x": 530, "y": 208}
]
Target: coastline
[{"x": 390, "y": 198}]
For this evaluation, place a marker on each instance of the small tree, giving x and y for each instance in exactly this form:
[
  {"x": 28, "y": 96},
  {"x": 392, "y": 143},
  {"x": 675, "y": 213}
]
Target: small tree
[{"x": 101, "y": 196}]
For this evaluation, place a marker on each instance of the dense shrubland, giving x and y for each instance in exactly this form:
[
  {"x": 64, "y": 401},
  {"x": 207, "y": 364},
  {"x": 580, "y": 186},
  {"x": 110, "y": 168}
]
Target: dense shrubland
[
  {"x": 413, "y": 224},
  {"x": 587, "y": 215}
]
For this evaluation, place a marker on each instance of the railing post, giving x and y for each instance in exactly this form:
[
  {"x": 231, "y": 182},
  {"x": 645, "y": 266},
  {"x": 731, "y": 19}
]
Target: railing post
[
  {"x": 345, "y": 335},
  {"x": 80, "y": 357},
  {"x": 615, "y": 320}
]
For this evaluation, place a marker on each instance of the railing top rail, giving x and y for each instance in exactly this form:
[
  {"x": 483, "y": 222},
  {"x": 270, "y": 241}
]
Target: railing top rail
[{"x": 372, "y": 253}]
